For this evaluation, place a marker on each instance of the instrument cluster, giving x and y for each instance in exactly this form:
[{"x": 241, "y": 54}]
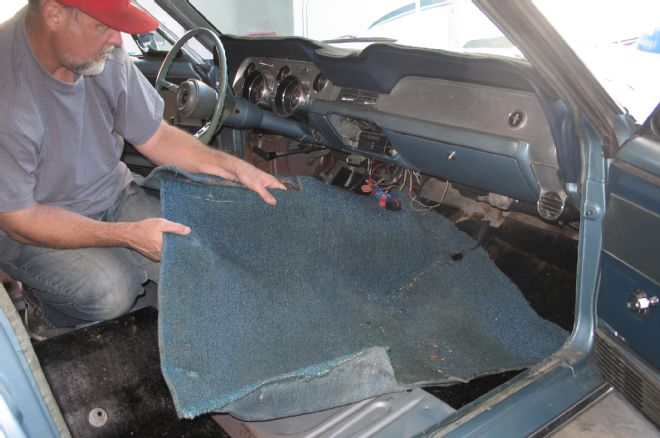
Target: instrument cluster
[{"x": 282, "y": 86}]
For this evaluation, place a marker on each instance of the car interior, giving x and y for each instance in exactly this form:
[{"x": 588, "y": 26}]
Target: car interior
[
  {"x": 481, "y": 141},
  {"x": 477, "y": 140}
]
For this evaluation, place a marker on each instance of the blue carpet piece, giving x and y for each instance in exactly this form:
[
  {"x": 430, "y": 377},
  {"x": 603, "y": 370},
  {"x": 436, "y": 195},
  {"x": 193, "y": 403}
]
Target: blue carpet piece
[{"x": 324, "y": 300}]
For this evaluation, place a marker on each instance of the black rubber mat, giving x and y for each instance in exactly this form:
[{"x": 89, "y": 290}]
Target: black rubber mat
[
  {"x": 542, "y": 264},
  {"x": 114, "y": 366}
]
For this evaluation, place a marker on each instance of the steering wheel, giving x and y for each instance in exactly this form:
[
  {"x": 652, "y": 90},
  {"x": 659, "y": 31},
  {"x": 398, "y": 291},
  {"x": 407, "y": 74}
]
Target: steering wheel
[{"x": 195, "y": 98}]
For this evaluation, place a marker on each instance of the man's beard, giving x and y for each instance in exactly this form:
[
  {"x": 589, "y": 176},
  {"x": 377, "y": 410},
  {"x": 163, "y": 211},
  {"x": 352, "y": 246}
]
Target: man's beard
[{"x": 88, "y": 68}]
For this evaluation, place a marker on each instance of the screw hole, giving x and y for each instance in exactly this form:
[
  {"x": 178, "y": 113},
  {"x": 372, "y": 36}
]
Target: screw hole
[{"x": 97, "y": 417}]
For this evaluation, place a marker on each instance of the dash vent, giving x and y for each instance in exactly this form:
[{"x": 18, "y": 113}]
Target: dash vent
[
  {"x": 550, "y": 206},
  {"x": 360, "y": 97}
]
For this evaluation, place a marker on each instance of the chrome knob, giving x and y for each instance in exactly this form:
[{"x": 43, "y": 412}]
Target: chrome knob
[{"x": 640, "y": 303}]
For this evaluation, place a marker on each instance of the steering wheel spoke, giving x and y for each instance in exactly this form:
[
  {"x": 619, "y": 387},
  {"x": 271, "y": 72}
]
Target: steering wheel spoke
[
  {"x": 169, "y": 86},
  {"x": 206, "y": 133}
]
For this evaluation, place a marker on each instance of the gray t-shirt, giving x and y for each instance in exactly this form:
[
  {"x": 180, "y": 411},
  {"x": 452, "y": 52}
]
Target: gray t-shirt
[{"x": 60, "y": 143}]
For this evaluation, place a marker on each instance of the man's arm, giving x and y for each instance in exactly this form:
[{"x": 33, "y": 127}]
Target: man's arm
[
  {"x": 170, "y": 145},
  {"x": 67, "y": 230}
]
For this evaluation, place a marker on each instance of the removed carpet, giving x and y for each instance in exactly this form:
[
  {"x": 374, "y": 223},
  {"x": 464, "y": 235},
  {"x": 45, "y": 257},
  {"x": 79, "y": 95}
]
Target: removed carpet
[{"x": 324, "y": 300}]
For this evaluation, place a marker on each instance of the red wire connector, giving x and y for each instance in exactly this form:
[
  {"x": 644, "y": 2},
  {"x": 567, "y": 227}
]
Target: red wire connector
[{"x": 385, "y": 200}]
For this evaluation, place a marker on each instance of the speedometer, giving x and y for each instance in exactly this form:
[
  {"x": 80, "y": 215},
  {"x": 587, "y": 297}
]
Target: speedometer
[
  {"x": 290, "y": 97},
  {"x": 255, "y": 88}
]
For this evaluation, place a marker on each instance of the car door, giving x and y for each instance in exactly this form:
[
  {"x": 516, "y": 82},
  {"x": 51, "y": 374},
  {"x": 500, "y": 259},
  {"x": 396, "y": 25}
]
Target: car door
[{"x": 627, "y": 346}]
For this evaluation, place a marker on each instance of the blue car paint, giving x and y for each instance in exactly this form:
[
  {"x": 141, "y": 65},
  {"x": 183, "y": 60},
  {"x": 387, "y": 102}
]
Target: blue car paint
[
  {"x": 524, "y": 411},
  {"x": 650, "y": 41},
  {"x": 22, "y": 409}
]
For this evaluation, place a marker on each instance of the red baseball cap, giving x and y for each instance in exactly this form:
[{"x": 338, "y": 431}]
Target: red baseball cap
[{"x": 120, "y": 15}]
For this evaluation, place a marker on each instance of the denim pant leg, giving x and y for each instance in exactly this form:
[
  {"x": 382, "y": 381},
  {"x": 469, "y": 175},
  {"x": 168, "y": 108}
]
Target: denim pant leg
[
  {"x": 88, "y": 284},
  {"x": 77, "y": 285}
]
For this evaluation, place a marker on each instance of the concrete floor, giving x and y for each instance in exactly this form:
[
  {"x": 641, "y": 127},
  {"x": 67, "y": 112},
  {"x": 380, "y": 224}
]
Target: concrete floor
[{"x": 612, "y": 416}]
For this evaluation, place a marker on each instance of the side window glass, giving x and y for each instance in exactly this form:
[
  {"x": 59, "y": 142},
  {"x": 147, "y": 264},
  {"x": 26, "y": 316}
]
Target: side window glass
[
  {"x": 153, "y": 41},
  {"x": 173, "y": 30},
  {"x": 130, "y": 45},
  {"x": 147, "y": 42}
]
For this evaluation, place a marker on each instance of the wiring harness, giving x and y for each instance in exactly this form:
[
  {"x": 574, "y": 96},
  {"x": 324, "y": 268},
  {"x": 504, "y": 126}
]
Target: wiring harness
[{"x": 388, "y": 182}]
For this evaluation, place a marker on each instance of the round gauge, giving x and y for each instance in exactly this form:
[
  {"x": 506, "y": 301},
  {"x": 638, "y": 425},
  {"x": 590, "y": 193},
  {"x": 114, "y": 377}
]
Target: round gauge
[
  {"x": 290, "y": 97},
  {"x": 283, "y": 73},
  {"x": 320, "y": 82},
  {"x": 255, "y": 87}
]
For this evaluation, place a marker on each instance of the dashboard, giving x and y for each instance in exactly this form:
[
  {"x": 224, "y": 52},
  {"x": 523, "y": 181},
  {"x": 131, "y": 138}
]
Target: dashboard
[
  {"x": 493, "y": 135},
  {"x": 282, "y": 86}
]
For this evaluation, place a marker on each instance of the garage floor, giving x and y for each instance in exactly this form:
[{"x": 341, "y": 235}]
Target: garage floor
[{"x": 611, "y": 417}]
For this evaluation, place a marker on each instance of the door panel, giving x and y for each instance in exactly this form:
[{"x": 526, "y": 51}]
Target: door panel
[
  {"x": 627, "y": 348},
  {"x": 631, "y": 249}
]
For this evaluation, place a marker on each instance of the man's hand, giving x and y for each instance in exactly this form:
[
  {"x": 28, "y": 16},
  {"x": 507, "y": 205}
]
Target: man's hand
[
  {"x": 170, "y": 145},
  {"x": 55, "y": 227},
  {"x": 257, "y": 180},
  {"x": 148, "y": 235}
]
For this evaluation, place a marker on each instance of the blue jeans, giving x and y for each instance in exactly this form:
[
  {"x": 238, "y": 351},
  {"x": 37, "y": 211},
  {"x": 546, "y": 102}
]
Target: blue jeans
[{"x": 88, "y": 284}]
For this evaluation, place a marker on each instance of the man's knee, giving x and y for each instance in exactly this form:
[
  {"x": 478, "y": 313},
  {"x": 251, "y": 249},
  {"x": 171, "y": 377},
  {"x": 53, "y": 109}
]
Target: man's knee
[
  {"x": 88, "y": 284},
  {"x": 109, "y": 297}
]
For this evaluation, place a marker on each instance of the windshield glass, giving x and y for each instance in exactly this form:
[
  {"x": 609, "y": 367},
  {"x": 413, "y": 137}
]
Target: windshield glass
[
  {"x": 455, "y": 25},
  {"x": 619, "y": 42}
]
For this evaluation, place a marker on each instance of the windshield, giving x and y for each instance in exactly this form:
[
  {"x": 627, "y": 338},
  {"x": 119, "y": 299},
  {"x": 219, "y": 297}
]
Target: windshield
[
  {"x": 619, "y": 42},
  {"x": 455, "y": 25}
]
